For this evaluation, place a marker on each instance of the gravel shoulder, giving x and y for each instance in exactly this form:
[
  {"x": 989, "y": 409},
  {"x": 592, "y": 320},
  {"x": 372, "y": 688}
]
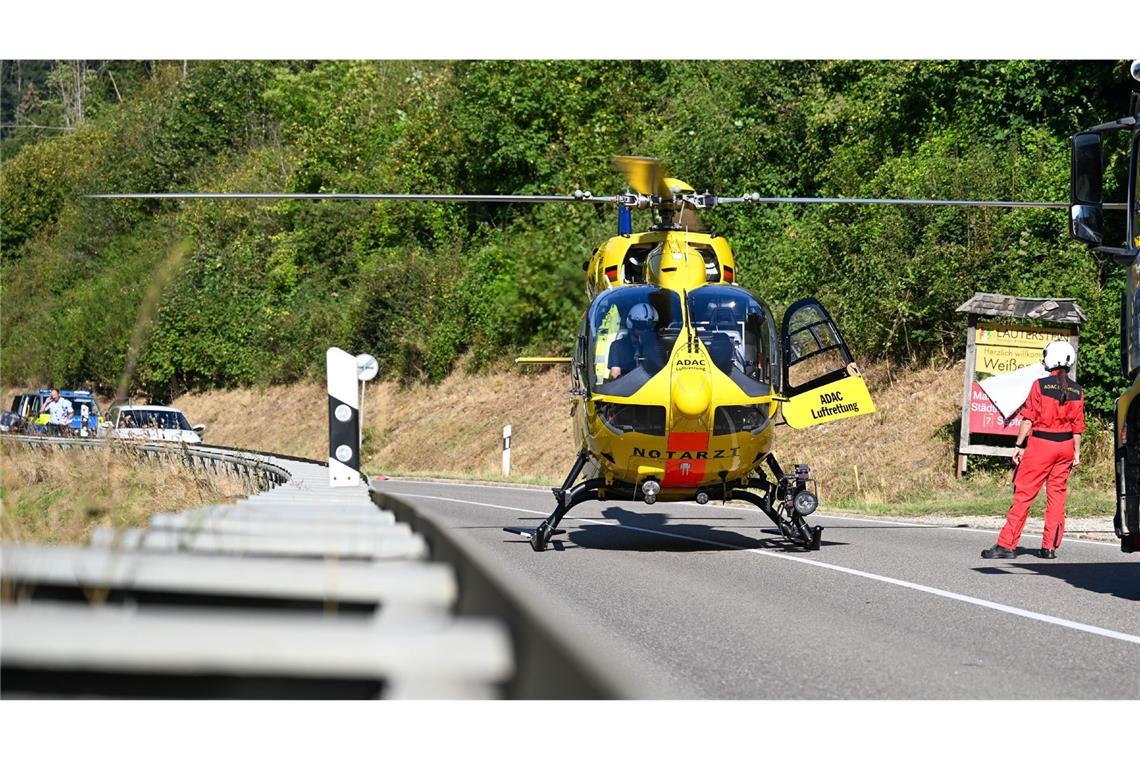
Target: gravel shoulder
[{"x": 1088, "y": 528}]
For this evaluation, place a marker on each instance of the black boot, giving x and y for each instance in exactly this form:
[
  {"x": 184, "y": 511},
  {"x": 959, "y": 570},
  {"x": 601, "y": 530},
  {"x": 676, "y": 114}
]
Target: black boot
[
  {"x": 1047, "y": 553},
  {"x": 997, "y": 551}
]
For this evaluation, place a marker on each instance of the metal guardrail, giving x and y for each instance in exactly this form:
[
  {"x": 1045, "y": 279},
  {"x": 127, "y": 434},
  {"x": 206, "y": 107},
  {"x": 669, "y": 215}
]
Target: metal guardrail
[
  {"x": 257, "y": 474},
  {"x": 301, "y": 590},
  {"x": 550, "y": 661}
]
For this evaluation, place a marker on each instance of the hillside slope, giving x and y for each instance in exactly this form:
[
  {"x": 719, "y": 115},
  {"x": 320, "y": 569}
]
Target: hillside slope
[{"x": 902, "y": 454}]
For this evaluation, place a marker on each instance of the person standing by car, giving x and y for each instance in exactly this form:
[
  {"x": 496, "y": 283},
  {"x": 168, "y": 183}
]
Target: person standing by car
[
  {"x": 1048, "y": 448},
  {"x": 59, "y": 413}
]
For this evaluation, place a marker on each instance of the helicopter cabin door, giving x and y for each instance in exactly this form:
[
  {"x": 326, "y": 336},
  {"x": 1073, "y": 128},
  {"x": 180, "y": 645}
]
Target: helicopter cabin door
[{"x": 820, "y": 380}]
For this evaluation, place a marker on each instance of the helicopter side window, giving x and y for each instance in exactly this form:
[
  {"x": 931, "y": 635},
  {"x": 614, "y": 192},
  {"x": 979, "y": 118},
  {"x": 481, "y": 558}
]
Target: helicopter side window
[
  {"x": 633, "y": 265},
  {"x": 581, "y": 378},
  {"x": 633, "y": 331},
  {"x": 738, "y": 332},
  {"x": 815, "y": 349},
  {"x": 712, "y": 263}
]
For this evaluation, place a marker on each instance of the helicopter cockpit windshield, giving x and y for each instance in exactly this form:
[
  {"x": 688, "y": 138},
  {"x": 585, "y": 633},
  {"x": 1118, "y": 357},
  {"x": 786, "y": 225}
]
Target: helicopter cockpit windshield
[
  {"x": 738, "y": 332},
  {"x": 632, "y": 332}
]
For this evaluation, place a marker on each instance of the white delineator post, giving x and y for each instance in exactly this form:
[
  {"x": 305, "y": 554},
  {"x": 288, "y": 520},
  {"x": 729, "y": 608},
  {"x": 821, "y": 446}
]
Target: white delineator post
[
  {"x": 366, "y": 369},
  {"x": 506, "y": 451},
  {"x": 344, "y": 418}
]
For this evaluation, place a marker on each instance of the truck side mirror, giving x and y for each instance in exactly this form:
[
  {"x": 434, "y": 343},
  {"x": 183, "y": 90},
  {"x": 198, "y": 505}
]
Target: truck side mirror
[{"x": 1086, "y": 215}]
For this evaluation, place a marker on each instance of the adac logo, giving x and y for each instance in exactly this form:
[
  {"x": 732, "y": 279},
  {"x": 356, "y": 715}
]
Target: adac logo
[
  {"x": 832, "y": 403},
  {"x": 697, "y": 363}
]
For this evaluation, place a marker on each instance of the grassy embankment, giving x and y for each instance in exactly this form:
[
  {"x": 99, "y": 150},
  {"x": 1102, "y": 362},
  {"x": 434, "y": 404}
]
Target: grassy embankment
[
  {"x": 60, "y": 495},
  {"x": 896, "y": 462},
  {"x": 899, "y": 461}
]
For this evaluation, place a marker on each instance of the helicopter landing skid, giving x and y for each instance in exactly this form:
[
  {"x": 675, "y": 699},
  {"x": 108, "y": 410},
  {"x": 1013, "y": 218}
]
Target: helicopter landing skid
[
  {"x": 528, "y": 532},
  {"x": 795, "y": 528},
  {"x": 566, "y": 499}
]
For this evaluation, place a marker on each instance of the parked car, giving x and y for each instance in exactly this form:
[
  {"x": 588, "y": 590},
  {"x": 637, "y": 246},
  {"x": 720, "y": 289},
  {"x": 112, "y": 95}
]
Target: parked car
[
  {"x": 20, "y": 415},
  {"x": 85, "y": 410},
  {"x": 151, "y": 423}
]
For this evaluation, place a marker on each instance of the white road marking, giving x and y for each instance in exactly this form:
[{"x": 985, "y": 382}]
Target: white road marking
[
  {"x": 827, "y": 515},
  {"x": 1108, "y": 633}
]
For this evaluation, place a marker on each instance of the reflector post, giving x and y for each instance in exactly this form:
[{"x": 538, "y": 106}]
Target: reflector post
[{"x": 344, "y": 418}]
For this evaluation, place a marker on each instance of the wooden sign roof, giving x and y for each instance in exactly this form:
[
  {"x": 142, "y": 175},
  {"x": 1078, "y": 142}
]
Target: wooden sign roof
[{"x": 1065, "y": 310}]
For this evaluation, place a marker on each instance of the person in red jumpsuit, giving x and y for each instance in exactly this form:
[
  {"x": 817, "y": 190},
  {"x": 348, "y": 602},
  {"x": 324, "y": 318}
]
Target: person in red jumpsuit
[{"x": 1048, "y": 448}]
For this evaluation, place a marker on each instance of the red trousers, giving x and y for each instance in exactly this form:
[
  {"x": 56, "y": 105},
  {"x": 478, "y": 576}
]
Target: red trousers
[{"x": 1044, "y": 463}]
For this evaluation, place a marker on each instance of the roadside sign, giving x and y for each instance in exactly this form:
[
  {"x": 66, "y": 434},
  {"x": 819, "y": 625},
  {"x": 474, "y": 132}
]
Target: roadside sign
[
  {"x": 1002, "y": 349},
  {"x": 999, "y": 345}
]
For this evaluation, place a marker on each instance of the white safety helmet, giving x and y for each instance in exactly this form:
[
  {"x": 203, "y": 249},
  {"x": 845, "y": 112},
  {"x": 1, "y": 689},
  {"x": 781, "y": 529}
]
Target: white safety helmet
[
  {"x": 642, "y": 316},
  {"x": 1059, "y": 353}
]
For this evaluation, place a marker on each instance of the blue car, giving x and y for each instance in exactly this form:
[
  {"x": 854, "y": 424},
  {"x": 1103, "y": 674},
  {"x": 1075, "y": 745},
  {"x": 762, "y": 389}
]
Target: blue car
[{"x": 84, "y": 407}]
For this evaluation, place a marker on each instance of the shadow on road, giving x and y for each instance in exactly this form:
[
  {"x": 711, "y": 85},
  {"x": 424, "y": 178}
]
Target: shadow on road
[
  {"x": 631, "y": 534},
  {"x": 1119, "y": 579}
]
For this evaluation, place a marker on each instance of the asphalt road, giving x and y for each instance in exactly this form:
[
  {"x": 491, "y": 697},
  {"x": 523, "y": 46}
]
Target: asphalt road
[{"x": 705, "y": 602}]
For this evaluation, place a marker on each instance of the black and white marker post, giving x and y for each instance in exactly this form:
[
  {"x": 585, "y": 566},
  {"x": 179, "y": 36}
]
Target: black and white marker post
[
  {"x": 344, "y": 418},
  {"x": 506, "y": 451}
]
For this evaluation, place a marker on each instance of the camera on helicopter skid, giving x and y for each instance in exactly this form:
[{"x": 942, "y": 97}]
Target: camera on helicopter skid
[{"x": 796, "y": 492}]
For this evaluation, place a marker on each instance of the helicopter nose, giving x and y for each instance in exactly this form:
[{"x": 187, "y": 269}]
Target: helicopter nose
[{"x": 692, "y": 393}]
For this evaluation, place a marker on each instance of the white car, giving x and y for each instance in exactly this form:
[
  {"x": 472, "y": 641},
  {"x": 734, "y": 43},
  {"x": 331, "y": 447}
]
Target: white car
[{"x": 152, "y": 423}]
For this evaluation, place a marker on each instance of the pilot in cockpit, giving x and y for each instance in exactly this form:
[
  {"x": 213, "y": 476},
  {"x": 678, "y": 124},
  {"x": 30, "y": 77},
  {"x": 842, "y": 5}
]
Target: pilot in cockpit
[{"x": 639, "y": 345}]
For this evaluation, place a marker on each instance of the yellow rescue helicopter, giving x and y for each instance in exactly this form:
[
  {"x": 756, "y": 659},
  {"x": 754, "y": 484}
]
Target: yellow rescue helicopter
[{"x": 679, "y": 373}]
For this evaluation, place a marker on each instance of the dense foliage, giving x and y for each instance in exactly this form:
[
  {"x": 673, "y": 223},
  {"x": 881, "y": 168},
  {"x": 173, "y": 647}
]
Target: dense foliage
[{"x": 257, "y": 291}]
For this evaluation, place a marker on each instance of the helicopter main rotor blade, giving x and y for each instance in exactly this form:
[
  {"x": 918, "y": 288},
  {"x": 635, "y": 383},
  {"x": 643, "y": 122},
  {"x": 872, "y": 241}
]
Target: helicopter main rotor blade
[
  {"x": 640, "y": 200},
  {"x": 755, "y": 198},
  {"x": 577, "y": 197},
  {"x": 645, "y": 175}
]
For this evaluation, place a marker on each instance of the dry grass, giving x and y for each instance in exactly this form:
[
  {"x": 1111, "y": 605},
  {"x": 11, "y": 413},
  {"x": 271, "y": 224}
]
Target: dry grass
[
  {"x": 454, "y": 427},
  {"x": 904, "y": 454},
  {"x": 283, "y": 419},
  {"x": 60, "y": 495},
  {"x": 904, "y": 450},
  {"x": 459, "y": 425}
]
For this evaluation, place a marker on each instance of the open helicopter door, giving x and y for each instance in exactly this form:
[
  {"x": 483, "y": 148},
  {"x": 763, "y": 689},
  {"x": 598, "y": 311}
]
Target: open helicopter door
[{"x": 820, "y": 380}]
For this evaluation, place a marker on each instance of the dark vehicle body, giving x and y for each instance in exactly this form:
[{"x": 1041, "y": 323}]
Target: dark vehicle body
[
  {"x": 1086, "y": 217},
  {"x": 19, "y": 417}
]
